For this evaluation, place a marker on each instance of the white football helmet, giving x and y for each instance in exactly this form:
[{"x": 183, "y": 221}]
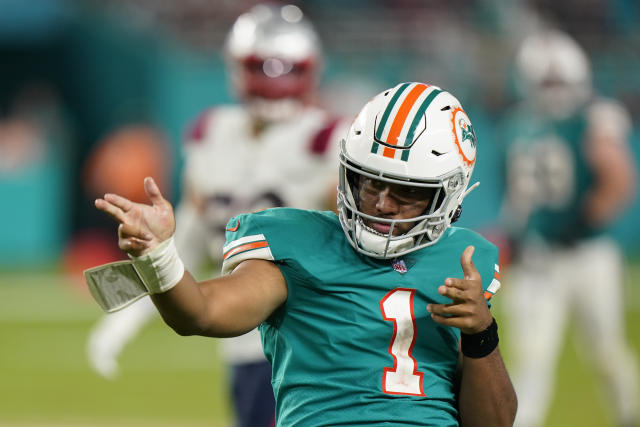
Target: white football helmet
[
  {"x": 413, "y": 135},
  {"x": 273, "y": 56},
  {"x": 553, "y": 72}
]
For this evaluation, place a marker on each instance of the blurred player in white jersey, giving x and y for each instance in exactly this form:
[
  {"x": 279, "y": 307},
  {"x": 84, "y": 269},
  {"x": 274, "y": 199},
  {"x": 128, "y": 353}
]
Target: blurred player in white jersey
[
  {"x": 569, "y": 174},
  {"x": 239, "y": 158}
]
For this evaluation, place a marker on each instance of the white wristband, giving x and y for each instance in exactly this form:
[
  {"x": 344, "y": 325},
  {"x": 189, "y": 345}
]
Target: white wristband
[{"x": 161, "y": 269}]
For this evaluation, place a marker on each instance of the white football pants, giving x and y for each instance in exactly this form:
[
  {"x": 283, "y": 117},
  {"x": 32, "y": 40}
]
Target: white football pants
[{"x": 547, "y": 289}]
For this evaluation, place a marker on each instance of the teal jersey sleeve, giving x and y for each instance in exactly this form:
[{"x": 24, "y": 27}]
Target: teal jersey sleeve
[
  {"x": 354, "y": 341},
  {"x": 277, "y": 234},
  {"x": 244, "y": 240},
  {"x": 485, "y": 259}
]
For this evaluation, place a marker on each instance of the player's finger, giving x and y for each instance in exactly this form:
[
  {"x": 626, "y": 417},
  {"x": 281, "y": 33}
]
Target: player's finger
[
  {"x": 454, "y": 282},
  {"x": 468, "y": 267},
  {"x": 110, "y": 209},
  {"x": 123, "y": 203},
  {"x": 132, "y": 244},
  {"x": 126, "y": 230},
  {"x": 453, "y": 292},
  {"x": 454, "y": 321},
  {"x": 448, "y": 310},
  {"x": 442, "y": 320},
  {"x": 153, "y": 192}
]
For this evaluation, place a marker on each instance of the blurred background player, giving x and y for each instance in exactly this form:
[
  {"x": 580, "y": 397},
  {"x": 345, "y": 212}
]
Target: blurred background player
[
  {"x": 274, "y": 149},
  {"x": 569, "y": 174}
]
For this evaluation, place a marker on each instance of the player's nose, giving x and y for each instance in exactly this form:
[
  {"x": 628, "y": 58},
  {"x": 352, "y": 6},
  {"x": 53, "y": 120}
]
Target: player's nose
[{"x": 386, "y": 204}]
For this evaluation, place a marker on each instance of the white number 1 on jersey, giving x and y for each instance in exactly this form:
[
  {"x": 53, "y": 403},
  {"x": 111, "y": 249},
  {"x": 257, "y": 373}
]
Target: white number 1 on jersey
[{"x": 403, "y": 378}]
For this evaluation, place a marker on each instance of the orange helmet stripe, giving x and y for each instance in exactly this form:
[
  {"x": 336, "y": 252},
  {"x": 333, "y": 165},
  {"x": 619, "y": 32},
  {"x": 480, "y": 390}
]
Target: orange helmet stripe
[{"x": 401, "y": 116}]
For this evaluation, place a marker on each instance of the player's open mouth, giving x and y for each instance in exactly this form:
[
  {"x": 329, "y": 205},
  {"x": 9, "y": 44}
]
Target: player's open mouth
[{"x": 381, "y": 228}]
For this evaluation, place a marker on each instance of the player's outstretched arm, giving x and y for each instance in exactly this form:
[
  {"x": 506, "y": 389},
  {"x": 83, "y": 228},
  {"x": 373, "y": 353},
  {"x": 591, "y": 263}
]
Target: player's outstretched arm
[
  {"x": 227, "y": 306},
  {"x": 487, "y": 396}
]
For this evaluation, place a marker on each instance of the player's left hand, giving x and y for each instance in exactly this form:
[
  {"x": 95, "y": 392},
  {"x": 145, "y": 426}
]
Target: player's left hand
[{"x": 468, "y": 310}]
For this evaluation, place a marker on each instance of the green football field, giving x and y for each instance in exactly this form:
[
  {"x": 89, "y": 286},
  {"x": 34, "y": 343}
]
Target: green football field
[{"x": 167, "y": 380}]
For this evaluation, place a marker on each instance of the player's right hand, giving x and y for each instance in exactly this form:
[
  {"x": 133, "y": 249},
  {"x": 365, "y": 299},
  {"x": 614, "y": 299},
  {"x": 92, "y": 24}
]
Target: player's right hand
[
  {"x": 142, "y": 227},
  {"x": 468, "y": 310}
]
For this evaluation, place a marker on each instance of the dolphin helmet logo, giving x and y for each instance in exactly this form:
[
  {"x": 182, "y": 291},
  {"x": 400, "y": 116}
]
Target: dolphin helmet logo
[{"x": 464, "y": 135}]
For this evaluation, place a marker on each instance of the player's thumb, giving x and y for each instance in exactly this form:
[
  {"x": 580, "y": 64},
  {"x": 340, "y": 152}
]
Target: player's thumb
[
  {"x": 466, "y": 261},
  {"x": 153, "y": 192}
]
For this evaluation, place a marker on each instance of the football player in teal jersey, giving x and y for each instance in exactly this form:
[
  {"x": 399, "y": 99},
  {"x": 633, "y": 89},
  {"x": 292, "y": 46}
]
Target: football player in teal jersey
[
  {"x": 377, "y": 315},
  {"x": 569, "y": 174}
]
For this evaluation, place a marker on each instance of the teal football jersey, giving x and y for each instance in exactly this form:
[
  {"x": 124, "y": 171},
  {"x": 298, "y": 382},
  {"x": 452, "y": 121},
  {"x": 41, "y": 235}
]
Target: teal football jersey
[
  {"x": 354, "y": 343},
  {"x": 547, "y": 169}
]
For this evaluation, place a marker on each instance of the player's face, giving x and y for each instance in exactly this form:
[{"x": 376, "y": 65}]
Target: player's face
[
  {"x": 274, "y": 78},
  {"x": 392, "y": 201}
]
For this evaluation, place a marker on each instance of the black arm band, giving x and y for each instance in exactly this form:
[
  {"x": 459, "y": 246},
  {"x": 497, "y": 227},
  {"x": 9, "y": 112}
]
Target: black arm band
[{"x": 480, "y": 344}]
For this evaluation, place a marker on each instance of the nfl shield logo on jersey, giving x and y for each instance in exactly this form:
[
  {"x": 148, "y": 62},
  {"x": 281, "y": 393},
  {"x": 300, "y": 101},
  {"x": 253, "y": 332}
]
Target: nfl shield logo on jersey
[{"x": 399, "y": 266}]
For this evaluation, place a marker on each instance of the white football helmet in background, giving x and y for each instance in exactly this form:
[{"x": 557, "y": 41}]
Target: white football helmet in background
[
  {"x": 412, "y": 135},
  {"x": 554, "y": 72},
  {"x": 273, "y": 56}
]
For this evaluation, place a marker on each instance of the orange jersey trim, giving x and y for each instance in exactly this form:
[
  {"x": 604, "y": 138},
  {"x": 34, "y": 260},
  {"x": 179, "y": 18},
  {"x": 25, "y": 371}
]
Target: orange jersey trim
[
  {"x": 244, "y": 248},
  {"x": 234, "y": 228}
]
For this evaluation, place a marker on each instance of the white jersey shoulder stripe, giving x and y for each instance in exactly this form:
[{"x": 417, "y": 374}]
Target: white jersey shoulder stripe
[
  {"x": 236, "y": 258},
  {"x": 242, "y": 241}
]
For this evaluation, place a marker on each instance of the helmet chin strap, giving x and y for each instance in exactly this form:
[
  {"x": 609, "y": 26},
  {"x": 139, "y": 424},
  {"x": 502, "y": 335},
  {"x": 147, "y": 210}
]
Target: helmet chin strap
[{"x": 377, "y": 243}]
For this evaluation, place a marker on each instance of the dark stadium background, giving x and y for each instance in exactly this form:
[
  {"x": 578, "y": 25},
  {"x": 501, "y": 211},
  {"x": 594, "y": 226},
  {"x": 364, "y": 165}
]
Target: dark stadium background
[{"x": 82, "y": 71}]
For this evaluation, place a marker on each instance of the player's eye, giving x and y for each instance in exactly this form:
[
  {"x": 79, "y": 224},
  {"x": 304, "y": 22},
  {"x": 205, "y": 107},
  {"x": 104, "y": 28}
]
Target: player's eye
[
  {"x": 410, "y": 194},
  {"x": 373, "y": 185}
]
